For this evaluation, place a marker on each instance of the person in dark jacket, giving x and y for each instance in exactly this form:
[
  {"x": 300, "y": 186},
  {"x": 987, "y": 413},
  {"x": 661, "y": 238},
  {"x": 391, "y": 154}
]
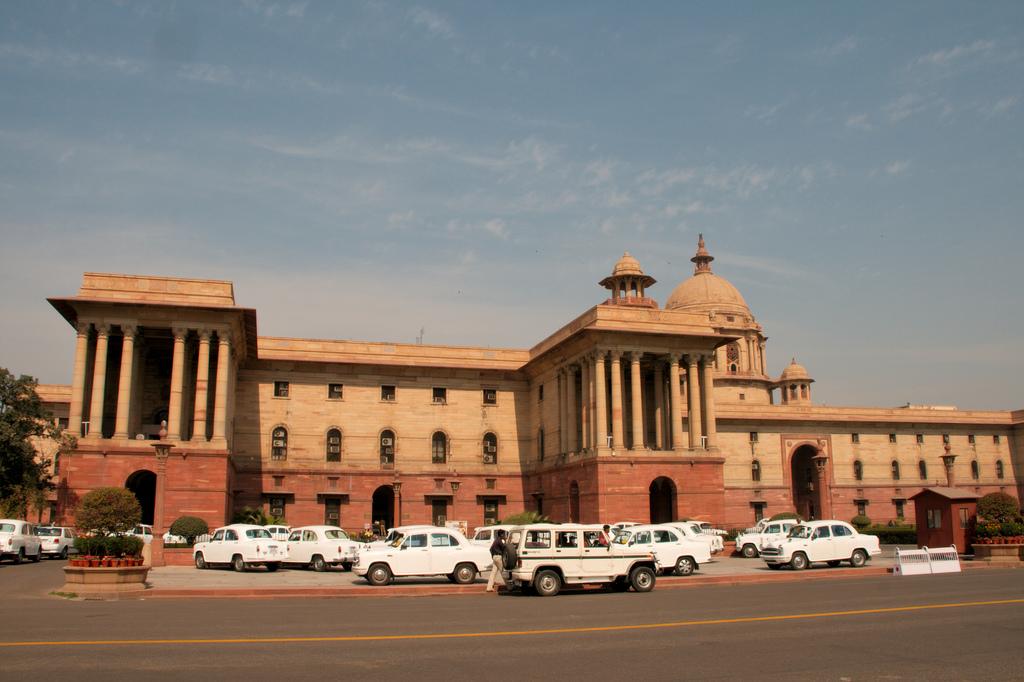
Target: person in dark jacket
[{"x": 498, "y": 559}]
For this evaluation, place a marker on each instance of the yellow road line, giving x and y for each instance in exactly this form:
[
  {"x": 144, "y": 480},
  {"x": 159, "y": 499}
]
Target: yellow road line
[{"x": 515, "y": 633}]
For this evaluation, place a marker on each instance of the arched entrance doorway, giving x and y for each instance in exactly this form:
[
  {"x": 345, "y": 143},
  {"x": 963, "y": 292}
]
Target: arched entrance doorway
[
  {"x": 663, "y": 500},
  {"x": 383, "y": 508},
  {"x": 574, "y": 502},
  {"x": 806, "y": 498},
  {"x": 142, "y": 483}
]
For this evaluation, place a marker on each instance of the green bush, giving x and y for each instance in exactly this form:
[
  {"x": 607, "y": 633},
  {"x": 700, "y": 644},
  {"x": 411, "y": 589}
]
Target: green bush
[
  {"x": 109, "y": 545},
  {"x": 782, "y": 516},
  {"x": 523, "y": 518},
  {"x": 1010, "y": 529},
  {"x": 189, "y": 527},
  {"x": 999, "y": 508},
  {"x": 108, "y": 511},
  {"x": 892, "y": 535},
  {"x": 860, "y": 521},
  {"x": 256, "y": 516}
]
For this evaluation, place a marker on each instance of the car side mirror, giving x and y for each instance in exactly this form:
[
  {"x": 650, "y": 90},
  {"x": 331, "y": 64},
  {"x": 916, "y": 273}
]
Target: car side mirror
[{"x": 402, "y": 548}]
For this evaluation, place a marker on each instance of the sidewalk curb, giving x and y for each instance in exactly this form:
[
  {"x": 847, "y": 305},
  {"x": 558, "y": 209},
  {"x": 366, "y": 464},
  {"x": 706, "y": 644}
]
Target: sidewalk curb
[{"x": 666, "y": 582}]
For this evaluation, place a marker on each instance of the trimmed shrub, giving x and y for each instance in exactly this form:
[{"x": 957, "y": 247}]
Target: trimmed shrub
[
  {"x": 189, "y": 527},
  {"x": 782, "y": 516},
  {"x": 889, "y": 535},
  {"x": 523, "y": 518},
  {"x": 108, "y": 511},
  {"x": 860, "y": 521},
  {"x": 999, "y": 508}
]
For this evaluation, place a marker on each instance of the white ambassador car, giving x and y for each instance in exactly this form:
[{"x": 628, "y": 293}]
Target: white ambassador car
[
  {"x": 675, "y": 552},
  {"x": 319, "y": 547},
  {"x": 750, "y": 541},
  {"x": 56, "y": 541},
  {"x": 240, "y": 546},
  {"x": 691, "y": 529},
  {"x": 395, "y": 534},
  {"x": 814, "y": 541},
  {"x": 424, "y": 552},
  {"x": 18, "y": 540},
  {"x": 484, "y": 535}
]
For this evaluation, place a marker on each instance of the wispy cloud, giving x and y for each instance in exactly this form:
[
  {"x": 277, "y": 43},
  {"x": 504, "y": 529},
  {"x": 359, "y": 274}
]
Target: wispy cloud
[
  {"x": 764, "y": 113},
  {"x": 999, "y": 107},
  {"x": 844, "y": 46},
  {"x": 905, "y": 106},
  {"x": 941, "y": 58},
  {"x": 434, "y": 23},
  {"x": 69, "y": 59},
  {"x": 858, "y": 122}
]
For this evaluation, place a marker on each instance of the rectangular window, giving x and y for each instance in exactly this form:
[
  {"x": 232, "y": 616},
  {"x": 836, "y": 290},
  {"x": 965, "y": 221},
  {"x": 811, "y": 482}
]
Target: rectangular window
[
  {"x": 934, "y": 518},
  {"x": 491, "y": 483},
  {"x": 963, "y": 517},
  {"x": 439, "y": 512},
  {"x": 899, "y": 507},
  {"x": 490, "y": 396},
  {"x": 753, "y": 436},
  {"x": 995, "y": 439},
  {"x": 862, "y": 507},
  {"x": 945, "y": 439},
  {"x": 892, "y": 437},
  {"x": 743, "y": 396},
  {"x": 332, "y": 512},
  {"x": 920, "y": 439},
  {"x": 278, "y": 481},
  {"x": 970, "y": 438},
  {"x": 332, "y": 482},
  {"x": 277, "y": 507},
  {"x": 490, "y": 512},
  {"x": 335, "y": 391},
  {"x": 280, "y": 389},
  {"x": 758, "y": 510},
  {"x": 855, "y": 438},
  {"x": 540, "y": 392},
  {"x": 387, "y": 393},
  {"x": 440, "y": 395},
  {"x": 62, "y": 422}
]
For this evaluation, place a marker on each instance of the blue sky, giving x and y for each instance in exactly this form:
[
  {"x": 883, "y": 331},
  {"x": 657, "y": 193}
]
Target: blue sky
[{"x": 366, "y": 169}]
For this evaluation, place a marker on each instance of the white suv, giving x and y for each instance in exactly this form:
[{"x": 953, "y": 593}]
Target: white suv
[
  {"x": 56, "y": 541},
  {"x": 750, "y": 541},
  {"x": 546, "y": 557},
  {"x": 18, "y": 540},
  {"x": 830, "y": 541}
]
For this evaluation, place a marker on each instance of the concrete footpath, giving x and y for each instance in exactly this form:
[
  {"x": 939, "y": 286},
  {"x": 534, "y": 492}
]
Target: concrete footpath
[{"x": 186, "y": 582}]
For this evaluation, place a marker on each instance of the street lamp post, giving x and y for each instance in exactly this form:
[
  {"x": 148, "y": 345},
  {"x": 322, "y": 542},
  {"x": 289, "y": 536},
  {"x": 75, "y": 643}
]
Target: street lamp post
[
  {"x": 396, "y": 485},
  {"x": 162, "y": 450}
]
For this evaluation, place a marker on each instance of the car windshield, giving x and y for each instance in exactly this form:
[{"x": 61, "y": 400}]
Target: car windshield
[
  {"x": 800, "y": 532},
  {"x": 396, "y": 541},
  {"x": 6, "y": 527},
  {"x": 258, "y": 534},
  {"x": 48, "y": 532},
  {"x": 336, "y": 535}
]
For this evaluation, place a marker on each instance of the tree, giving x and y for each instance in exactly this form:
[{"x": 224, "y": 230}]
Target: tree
[
  {"x": 525, "y": 518},
  {"x": 24, "y": 476},
  {"x": 189, "y": 527},
  {"x": 999, "y": 507},
  {"x": 108, "y": 511}
]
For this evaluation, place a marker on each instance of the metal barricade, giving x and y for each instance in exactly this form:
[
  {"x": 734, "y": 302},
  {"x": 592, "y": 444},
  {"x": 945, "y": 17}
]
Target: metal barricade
[{"x": 926, "y": 561}]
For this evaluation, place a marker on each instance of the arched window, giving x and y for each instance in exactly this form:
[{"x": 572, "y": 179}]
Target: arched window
[
  {"x": 540, "y": 445},
  {"x": 387, "y": 448},
  {"x": 922, "y": 470},
  {"x": 439, "y": 448},
  {"x": 490, "y": 448},
  {"x": 858, "y": 470},
  {"x": 803, "y": 391},
  {"x": 732, "y": 355},
  {"x": 895, "y": 470},
  {"x": 279, "y": 443},
  {"x": 334, "y": 445},
  {"x": 999, "y": 468},
  {"x": 792, "y": 391},
  {"x": 975, "y": 470},
  {"x": 755, "y": 471}
]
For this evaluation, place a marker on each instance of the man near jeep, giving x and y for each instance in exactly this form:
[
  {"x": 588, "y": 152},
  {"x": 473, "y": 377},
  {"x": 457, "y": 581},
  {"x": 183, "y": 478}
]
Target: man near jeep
[{"x": 498, "y": 559}]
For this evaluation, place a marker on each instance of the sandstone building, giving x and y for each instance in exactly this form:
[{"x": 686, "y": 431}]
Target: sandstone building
[{"x": 631, "y": 411}]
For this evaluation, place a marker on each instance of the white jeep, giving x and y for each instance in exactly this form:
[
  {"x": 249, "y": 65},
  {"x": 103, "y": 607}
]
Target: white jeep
[
  {"x": 240, "y": 546},
  {"x": 545, "y": 557},
  {"x": 750, "y": 541}
]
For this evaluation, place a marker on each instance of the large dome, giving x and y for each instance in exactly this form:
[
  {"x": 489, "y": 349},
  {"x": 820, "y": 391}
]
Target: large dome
[{"x": 706, "y": 291}]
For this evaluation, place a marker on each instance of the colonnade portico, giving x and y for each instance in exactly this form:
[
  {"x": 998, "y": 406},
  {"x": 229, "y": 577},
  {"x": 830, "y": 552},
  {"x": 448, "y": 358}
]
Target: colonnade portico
[
  {"x": 607, "y": 423},
  {"x": 186, "y": 406}
]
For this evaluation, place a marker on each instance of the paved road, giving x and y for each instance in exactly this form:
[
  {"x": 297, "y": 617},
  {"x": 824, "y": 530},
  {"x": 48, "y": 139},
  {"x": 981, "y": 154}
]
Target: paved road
[{"x": 793, "y": 630}]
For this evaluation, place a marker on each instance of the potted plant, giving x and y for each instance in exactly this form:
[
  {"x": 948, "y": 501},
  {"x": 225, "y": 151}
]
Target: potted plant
[
  {"x": 998, "y": 529},
  {"x": 110, "y": 556}
]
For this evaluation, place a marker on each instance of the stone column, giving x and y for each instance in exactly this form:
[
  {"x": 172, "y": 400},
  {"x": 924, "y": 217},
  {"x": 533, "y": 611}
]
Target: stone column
[
  {"x": 948, "y": 462},
  {"x": 708, "y": 387},
  {"x": 616, "y": 370},
  {"x": 78, "y": 379},
  {"x": 202, "y": 386},
  {"x": 162, "y": 450},
  {"x": 99, "y": 382},
  {"x": 677, "y": 402},
  {"x": 637, "y": 398},
  {"x": 563, "y": 421},
  {"x": 693, "y": 393},
  {"x": 177, "y": 381},
  {"x": 570, "y": 378},
  {"x": 125, "y": 382},
  {"x": 821, "y": 483},
  {"x": 586, "y": 400},
  {"x": 601, "y": 410},
  {"x": 659, "y": 407},
  {"x": 220, "y": 399}
]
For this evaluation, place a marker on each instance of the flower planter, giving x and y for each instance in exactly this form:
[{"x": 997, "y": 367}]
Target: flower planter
[
  {"x": 999, "y": 553},
  {"x": 104, "y": 581}
]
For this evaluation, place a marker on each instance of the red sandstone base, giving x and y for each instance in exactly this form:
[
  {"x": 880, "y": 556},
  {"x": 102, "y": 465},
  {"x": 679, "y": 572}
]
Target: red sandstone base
[
  {"x": 104, "y": 582},
  {"x": 999, "y": 554}
]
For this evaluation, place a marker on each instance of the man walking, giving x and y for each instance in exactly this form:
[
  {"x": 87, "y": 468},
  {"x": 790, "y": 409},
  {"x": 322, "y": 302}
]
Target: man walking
[{"x": 498, "y": 559}]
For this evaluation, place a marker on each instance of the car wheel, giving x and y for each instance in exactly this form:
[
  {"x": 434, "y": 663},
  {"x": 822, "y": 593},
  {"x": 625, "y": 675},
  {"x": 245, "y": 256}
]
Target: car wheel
[
  {"x": 201, "y": 561},
  {"x": 642, "y": 578},
  {"x": 64, "y": 554},
  {"x": 547, "y": 583},
  {"x": 775, "y": 567},
  {"x": 749, "y": 551},
  {"x": 858, "y": 559},
  {"x": 20, "y": 556},
  {"x": 833, "y": 564},
  {"x": 799, "y": 561},
  {"x": 272, "y": 566},
  {"x": 318, "y": 564},
  {"x": 238, "y": 563},
  {"x": 38, "y": 556},
  {"x": 379, "y": 574},
  {"x": 684, "y": 566},
  {"x": 464, "y": 574}
]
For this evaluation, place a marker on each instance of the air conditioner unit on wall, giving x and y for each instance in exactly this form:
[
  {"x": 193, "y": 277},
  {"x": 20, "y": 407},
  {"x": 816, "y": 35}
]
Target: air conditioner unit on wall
[
  {"x": 386, "y": 442},
  {"x": 333, "y": 516},
  {"x": 389, "y": 451},
  {"x": 490, "y": 448}
]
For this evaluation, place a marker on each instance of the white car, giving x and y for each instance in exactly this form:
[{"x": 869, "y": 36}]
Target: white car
[
  {"x": 691, "y": 529},
  {"x": 547, "y": 556},
  {"x": 395, "y": 534},
  {"x": 813, "y": 541},
  {"x": 279, "y": 532},
  {"x": 750, "y": 542},
  {"x": 675, "y": 552},
  {"x": 240, "y": 546},
  {"x": 174, "y": 539},
  {"x": 484, "y": 535},
  {"x": 145, "y": 532},
  {"x": 422, "y": 552},
  {"x": 18, "y": 540},
  {"x": 56, "y": 541},
  {"x": 708, "y": 529},
  {"x": 321, "y": 546}
]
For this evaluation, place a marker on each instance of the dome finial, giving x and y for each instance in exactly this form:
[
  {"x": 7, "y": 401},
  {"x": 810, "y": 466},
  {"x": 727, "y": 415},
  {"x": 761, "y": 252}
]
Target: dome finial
[{"x": 702, "y": 259}]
